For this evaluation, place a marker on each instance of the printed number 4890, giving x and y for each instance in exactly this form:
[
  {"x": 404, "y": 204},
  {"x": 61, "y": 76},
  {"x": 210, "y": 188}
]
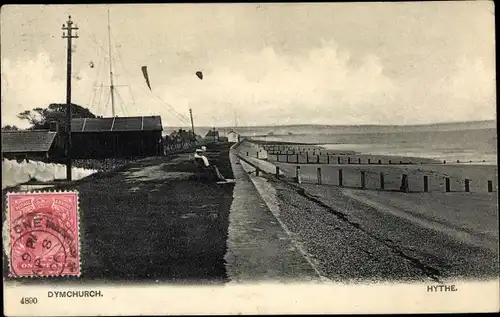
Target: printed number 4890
[{"x": 29, "y": 300}]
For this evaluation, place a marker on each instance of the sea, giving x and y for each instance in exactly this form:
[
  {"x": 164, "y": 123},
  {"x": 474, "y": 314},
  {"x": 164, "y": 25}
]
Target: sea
[{"x": 478, "y": 146}]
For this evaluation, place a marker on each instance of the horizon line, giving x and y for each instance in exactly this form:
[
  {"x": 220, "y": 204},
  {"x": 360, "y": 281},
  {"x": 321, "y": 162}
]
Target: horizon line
[{"x": 338, "y": 125}]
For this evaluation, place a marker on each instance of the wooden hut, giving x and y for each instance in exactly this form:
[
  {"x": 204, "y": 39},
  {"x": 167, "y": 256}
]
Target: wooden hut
[{"x": 95, "y": 138}]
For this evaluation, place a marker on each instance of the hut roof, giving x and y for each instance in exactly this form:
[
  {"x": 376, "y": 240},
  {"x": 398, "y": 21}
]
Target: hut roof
[
  {"x": 149, "y": 123},
  {"x": 27, "y": 141}
]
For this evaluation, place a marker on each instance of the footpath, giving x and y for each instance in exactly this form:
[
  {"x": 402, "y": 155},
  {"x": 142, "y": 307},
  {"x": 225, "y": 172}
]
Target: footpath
[{"x": 259, "y": 249}]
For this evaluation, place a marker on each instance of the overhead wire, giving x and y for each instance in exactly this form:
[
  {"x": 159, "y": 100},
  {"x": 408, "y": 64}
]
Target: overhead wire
[
  {"x": 117, "y": 61},
  {"x": 94, "y": 84},
  {"x": 100, "y": 99},
  {"x": 179, "y": 115},
  {"x": 90, "y": 41},
  {"x": 82, "y": 49},
  {"x": 162, "y": 102},
  {"x": 122, "y": 104},
  {"x": 120, "y": 60},
  {"x": 169, "y": 107},
  {"x": 94, "y": 89},
  {"x": 108, "y": 98}
]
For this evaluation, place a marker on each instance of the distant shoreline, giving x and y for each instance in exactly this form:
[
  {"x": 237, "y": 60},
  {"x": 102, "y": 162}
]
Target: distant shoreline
[
  {"x": 300, "y": 125},
  {"x": 355, "y": 155},
  {"x": 280, "y": 142}
]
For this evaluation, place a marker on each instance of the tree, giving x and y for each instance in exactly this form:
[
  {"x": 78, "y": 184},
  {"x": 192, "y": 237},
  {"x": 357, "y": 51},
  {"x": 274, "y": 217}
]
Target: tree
[
  {"x": 40, "y": 118},
  {"x": 10, "y": 128}
]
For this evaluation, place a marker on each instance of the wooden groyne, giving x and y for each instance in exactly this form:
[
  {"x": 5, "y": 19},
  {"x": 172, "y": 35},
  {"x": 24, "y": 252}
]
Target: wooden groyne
[
  {"x": 377, "y": 178},
  {"x": 315, "y": 154}
]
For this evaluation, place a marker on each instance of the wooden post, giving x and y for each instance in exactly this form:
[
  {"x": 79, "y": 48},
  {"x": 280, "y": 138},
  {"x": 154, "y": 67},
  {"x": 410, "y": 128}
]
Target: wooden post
[
  {"x": 348, "y": 160},
  {"x": 363, "y": 180},
  {"x": 307, "y": 157},
  {"x": 490, "y": 186},
  {"x": 340, "y": 178},
  {"x": 447, "y": 184},
  {"x": 299, "y": 180},
  {"x": 277, "y": 172},
  {"x": 467, "y": 185},
  {"x": 319, "y": 175},
  {"x": 382, "y": 183},
  {"x": 317, "y": 159},
  {"x": 426, "y": 183},
  {"x": 404, "y": 184},
  {"x": 297, "y": 158},
  {"x": 338, "y": 159},
  {"x": 327, "y": 159}
]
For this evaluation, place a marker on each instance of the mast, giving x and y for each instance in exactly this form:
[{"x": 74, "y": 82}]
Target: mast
[{"x": 112, "y": 87}]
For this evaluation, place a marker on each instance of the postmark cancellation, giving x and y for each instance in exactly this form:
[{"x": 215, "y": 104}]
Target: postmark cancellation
[{"x": 43, "y": 231}]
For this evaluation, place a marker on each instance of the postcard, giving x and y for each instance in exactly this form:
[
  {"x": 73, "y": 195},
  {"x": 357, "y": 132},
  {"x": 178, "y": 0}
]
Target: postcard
[{"x": 249, "y": 158}]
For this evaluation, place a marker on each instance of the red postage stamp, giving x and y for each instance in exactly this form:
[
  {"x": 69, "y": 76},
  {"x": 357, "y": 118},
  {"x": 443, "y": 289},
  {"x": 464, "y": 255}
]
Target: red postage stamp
[{"x": 44, "y": 234}]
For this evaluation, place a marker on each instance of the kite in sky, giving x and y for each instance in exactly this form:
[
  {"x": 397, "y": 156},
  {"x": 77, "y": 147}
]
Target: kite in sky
[
  {"x": 199, "y": 74},
  {"x": 145, "y": 73}
]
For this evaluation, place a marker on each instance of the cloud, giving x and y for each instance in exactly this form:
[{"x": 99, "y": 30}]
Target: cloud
[
  {"x": 322, "y": 85},
  {"x": 32, "y": 83},
  {"x": 471, "y": 81},
  {"x": 465, "y": 92},
  {"x": 272, "y": 88}
]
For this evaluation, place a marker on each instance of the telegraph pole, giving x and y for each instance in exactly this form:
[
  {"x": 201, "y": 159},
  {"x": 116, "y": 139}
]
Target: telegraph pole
[
  {"x": 69, "y": 35},
  {"x": 192, "y": 124}
]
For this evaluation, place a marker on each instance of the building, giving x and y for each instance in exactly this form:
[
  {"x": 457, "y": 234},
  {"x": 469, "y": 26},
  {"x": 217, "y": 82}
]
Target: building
[
  {"x": 116, "y": 137},
  {"x": 39, "y": 145},
  {"x": 212, "y": 136},
  {"x": 180, "y": 136},
  {"x": 233, "y": 136}
]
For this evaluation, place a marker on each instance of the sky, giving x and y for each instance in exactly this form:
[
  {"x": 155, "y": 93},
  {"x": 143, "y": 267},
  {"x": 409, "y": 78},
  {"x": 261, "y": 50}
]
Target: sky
[{"x": 263, "y": 64}]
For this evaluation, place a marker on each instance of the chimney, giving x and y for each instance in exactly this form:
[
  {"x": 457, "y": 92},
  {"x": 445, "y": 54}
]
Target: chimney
[{"x": 54, "y": 126}]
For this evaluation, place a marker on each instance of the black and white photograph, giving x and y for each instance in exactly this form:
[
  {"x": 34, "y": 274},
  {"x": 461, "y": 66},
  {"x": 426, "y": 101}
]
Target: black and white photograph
[{"x": 221, "y": 149}]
